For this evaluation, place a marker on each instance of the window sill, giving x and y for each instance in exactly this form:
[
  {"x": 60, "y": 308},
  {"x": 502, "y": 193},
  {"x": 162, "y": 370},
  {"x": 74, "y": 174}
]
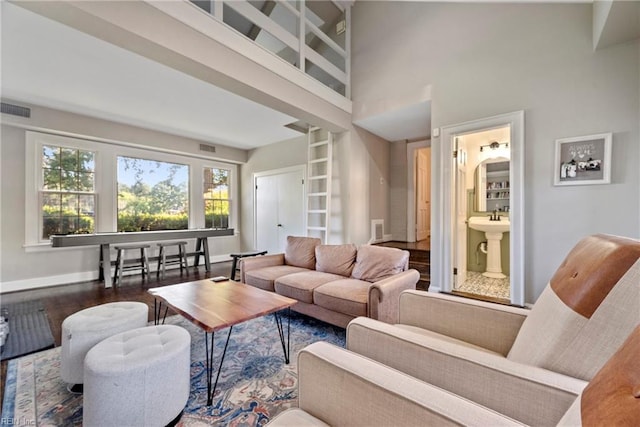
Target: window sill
[{"x": 46, "y": 247}]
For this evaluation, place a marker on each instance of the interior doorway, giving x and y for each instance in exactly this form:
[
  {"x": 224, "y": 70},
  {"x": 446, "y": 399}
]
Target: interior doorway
[
  {"x": 446, "y": 220},
  {"x": 279, "y": 207},
  {"x": 419, "y": 194}
]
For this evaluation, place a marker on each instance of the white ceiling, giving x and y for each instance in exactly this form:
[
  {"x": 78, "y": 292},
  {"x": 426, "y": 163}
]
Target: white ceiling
[{"x": 52, "y": 65}]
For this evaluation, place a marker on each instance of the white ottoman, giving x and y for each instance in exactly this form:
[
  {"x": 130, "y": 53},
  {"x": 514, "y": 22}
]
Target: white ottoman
[
  {"x": 137, "y": 378},
  {"x": 86, "y": 328}
]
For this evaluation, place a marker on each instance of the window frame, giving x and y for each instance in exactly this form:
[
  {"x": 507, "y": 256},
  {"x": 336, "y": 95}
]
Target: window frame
[
  {"x": 229, "y": 198},
  {"x": 106, "y": 186}
]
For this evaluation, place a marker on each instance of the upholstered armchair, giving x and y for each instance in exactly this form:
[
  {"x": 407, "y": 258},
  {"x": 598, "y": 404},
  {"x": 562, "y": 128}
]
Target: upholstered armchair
[
  {"x": 337, "y": 387},
  {"x": 529, "y": 365}
]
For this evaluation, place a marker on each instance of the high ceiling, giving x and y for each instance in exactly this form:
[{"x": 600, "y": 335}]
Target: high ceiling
[{"x": 49, "y": 64}]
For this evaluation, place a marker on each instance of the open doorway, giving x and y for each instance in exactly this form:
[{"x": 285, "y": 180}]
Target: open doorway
[
  {"x": 482, "y": 226},
  {"x": 447, "y": 223}
]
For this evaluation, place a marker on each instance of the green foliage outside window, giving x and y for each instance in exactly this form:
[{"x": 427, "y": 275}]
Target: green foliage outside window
[
  {"x": 152, "y": 195},
  {"x": 216, "y": 198},
  {"x": 67, "y": 204}
]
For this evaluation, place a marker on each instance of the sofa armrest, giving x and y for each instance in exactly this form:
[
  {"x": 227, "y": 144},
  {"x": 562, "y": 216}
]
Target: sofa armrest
[
  {"x": 254, "y": 263},
  {"x": 364, "y": 392},
  {"x": 488, "y": 325},
  {"x": 529, "y": 394},
  {"x": 385, "y": 294}
]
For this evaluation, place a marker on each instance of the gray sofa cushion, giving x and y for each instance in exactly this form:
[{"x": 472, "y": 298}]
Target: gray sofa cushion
[
  {"x": 348, "y": 296},
  {"x": 263, "y": 278},
  {"x": 301, "y": 252},
  {"x": 336, "y": 259},
  {"x": 300, "y": 286},
  {"x": 374, "y": 263}
]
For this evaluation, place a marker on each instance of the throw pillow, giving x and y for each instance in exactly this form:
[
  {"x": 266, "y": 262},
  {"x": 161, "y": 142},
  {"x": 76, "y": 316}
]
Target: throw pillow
[
  {"x": 374, "y": 263},
  {"x": 336, "y": 259},
  {"x": 301, "y": 251}
]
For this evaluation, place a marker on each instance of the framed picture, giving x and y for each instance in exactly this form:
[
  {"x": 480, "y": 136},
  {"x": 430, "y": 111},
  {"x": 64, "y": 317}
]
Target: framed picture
[{"x": 583, "y": 160}]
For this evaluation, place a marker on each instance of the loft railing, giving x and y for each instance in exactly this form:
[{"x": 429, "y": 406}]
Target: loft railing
[{"x": 314, "y": 36}]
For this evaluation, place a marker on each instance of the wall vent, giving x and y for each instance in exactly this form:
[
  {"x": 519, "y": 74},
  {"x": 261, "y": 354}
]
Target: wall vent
[
  {"x": 207, "y": 148},
  {"x": 16, "y": 110},
  {"x": 377, "y": 230}
]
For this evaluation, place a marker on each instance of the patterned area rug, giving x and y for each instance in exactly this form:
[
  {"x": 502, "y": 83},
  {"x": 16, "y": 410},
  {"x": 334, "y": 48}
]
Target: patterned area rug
[{"x": 255, "y": 384}]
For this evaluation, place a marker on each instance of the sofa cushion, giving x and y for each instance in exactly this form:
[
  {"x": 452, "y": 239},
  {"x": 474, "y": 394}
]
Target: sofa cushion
[
  {"x": 301, "y": 251},
  {"x": 348, "y": 296},
  {"x": 300, "y": 286},
  {"x": 374, "y": 263},
  {"x": 336, "y": 259},
  {"x": 263, "y": 278}
]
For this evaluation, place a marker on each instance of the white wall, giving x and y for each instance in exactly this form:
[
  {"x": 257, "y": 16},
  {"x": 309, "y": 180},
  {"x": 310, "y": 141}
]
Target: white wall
[
  {"x": 22, "y": 267},
  {"x": 487, "y": 59},
  {"x": 360, "y": 183}
]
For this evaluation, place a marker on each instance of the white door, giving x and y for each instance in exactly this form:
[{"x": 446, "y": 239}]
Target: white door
[
  {"x": 423, "y": 193},
  {"x": 460, "y": 209},
  {"x": 279, "y": 207}
]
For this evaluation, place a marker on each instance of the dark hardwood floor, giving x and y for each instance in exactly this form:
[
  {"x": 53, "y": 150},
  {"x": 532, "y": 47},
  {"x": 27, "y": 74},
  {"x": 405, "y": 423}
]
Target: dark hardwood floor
[{"x": 62, "y": 301}]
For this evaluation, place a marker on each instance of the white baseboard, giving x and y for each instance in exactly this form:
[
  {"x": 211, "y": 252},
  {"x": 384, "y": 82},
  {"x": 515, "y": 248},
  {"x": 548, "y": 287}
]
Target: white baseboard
[{"x": 85, "y": 276}]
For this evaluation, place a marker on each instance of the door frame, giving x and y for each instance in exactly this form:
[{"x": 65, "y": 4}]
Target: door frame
[
  {"x": 302, "y": 168},
  {"x": 412, "y": 148},
  {"x": 442, "y": 221}
]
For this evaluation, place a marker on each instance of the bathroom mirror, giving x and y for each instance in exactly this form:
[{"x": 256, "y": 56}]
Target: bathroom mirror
[{"x": 491, "y": 185}]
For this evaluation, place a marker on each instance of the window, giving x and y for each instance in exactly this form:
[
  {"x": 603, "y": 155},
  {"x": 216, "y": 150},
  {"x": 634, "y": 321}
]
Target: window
[
  {"x": 216, "y": 198},
  {"x": 75, "y": 185},
  {"x": 67, "y": 192},
  {"x": 152, "y": 195}
]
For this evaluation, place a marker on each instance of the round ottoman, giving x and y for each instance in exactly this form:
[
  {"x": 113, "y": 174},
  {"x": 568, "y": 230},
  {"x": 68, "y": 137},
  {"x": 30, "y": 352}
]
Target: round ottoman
[
  {"x": 86, "y": 328},
  {"x": 137, "y": 378}
]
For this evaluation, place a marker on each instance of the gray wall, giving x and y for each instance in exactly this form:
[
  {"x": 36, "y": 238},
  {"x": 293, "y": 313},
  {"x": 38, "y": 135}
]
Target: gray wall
[
  {"x": 22, "y": 267},
  {"x": 488, "y": 59}
]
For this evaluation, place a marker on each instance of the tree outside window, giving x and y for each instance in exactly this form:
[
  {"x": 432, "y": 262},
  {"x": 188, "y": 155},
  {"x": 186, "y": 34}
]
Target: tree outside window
[
  {"x": 216, "y": 198},
  {"x": 67, "y": 194},
  {"x": 152, "y": 195}
]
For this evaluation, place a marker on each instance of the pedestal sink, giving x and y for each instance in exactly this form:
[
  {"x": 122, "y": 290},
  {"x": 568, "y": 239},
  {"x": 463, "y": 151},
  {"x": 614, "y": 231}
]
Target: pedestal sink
[{"x": 493, "y": 230}]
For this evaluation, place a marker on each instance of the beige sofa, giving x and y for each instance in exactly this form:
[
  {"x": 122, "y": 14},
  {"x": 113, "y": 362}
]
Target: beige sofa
[{"x": 335, "y": 283}]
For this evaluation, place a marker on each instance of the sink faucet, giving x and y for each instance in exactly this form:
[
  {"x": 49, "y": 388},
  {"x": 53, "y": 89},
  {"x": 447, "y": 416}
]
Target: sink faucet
[{"x": 494, "y": 216}]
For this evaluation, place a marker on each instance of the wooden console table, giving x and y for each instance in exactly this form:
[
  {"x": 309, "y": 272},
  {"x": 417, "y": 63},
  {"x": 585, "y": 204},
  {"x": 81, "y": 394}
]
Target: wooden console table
[{"x": 104, "y": 240}]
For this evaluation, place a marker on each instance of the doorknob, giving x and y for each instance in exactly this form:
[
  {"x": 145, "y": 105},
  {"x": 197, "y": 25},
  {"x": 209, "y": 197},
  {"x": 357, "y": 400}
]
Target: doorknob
[{"x": 279, "y": 225}]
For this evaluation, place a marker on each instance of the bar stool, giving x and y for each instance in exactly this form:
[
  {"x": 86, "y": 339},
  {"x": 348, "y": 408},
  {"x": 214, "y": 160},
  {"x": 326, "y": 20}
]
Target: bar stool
[
  {"x": 236, "y": 257},
  {"x": 141, "y": 263},
  {"x": 179, "y": 258}
]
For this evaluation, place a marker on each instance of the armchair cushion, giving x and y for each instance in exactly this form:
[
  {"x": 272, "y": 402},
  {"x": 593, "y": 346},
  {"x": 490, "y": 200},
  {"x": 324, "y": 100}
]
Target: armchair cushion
[
  {"x": 574, "y": 344},
  {"x": 366, "y": 393},
  {"x": 301, "y": 251},
  {"x": 374, "y": 263},
  {"x": 336, "y": 259}
]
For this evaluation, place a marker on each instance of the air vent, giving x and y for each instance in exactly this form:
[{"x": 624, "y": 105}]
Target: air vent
[
  {"x": 207, "y": 148},
  {"x": 16, "y": 110},
  {"x": 377, "y": 230}
]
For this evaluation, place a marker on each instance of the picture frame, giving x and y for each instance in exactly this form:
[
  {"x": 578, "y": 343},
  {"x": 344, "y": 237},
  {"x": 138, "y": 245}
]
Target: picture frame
[{"x": 583, "y": 160}]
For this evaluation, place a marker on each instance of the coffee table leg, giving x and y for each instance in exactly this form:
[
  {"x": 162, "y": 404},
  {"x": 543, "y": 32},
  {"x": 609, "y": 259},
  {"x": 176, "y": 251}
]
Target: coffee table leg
[
  {"x": 157, "y": 309},
  {"x": 285, "y": 348},
  {"x": 209, "y": 363}
]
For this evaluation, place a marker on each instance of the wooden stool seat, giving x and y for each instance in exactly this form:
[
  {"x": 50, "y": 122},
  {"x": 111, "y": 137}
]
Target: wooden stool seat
[
  {"x": 179, "y": 258},
  {"x": 141, "y": 263},
  {"x": 236, "y": 257}
]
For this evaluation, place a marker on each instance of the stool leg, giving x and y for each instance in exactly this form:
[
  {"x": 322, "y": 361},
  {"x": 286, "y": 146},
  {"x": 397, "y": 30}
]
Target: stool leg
[
  {"x": 145, "y": 260},
  {"x": 183, "y": 259},
  {"x": 164, "y": 263},
  {"x": 160, "y": 254},
  {"x": 115, "y": 273},
  {"x": 234, "y": 265},
  {"x": 120, "y": 266}
]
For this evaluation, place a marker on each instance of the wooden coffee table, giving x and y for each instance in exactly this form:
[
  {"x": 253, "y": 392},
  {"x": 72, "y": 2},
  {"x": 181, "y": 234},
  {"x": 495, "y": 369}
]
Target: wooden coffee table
[{"x": 217, "y": 305}]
